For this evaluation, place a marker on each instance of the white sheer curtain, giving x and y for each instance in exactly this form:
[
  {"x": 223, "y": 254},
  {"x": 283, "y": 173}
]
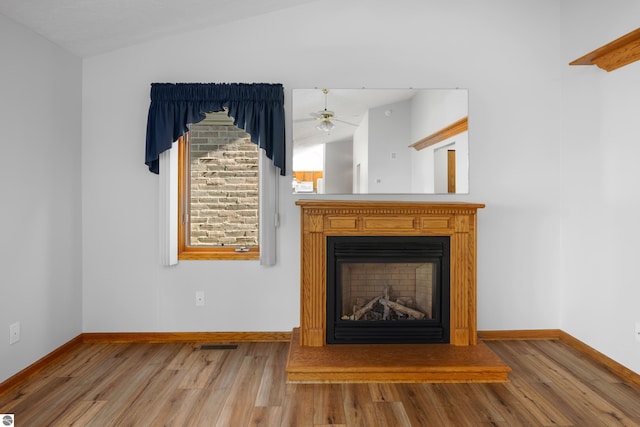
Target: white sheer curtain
[
  {"x": 168, "y": 188},
  {"x": 269, "y": 215}
]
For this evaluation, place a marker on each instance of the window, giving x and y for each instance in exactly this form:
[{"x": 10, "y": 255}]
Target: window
[
  {"x": 218, "y": 191},
  {"x": 256, "y": 107}
]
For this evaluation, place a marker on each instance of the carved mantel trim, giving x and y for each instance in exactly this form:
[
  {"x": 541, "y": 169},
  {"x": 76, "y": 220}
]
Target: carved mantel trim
[{"x": 322, "y": 218}]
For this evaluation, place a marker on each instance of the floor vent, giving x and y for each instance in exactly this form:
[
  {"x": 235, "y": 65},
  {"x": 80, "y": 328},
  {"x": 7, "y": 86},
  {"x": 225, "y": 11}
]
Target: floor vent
[{"x": 218, "y": 346}]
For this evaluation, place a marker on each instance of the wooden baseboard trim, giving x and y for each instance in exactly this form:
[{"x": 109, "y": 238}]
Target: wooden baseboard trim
[
  {"x": 525, "y": 334},
  {"x": 556, "y": 334},
  {"x": 39, "y": 365},
  {"x": 165, "y": 337},
  {"x": 613, "y": 366}
]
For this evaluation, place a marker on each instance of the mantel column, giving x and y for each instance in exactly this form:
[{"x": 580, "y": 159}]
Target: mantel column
[
  {"x": 312, "y": 296},
  {"x": 462, "y": 283}
]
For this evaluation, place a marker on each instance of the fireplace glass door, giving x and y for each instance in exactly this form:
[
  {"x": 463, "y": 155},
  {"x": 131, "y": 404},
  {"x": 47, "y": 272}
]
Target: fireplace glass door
[{"x": 387, "y": 289}]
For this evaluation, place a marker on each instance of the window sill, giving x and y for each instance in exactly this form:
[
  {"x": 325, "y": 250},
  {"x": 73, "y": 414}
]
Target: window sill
[{"x": 218, "y": 254}]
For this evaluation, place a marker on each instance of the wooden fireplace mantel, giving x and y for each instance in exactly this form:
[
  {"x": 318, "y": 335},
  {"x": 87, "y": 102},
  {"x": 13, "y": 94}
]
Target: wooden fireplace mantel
[{"x": 322, "y": 218}]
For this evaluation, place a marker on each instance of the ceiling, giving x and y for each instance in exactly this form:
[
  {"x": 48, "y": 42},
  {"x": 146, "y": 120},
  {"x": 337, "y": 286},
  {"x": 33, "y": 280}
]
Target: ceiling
[{"x": 92, "y": 27}]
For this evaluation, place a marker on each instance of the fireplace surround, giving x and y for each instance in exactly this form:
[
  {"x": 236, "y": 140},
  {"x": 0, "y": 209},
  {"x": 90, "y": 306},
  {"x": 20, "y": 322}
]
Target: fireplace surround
[
  {"x": 323, "y": 218},
  {"x": 463, "y": 359}
]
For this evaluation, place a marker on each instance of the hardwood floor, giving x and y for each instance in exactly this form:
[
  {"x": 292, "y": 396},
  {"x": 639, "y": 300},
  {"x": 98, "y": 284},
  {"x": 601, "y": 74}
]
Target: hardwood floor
[{"x": 180, "y": 384}]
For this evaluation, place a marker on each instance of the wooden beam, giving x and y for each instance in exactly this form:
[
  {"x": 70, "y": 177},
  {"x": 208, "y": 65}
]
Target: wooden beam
[
  {"x": 614, "y": 55},
  {"x": 446, "y": 132}
]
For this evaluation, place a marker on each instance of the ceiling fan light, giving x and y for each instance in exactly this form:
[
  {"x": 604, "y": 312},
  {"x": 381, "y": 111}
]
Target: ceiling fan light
[{"x": 325, "y": 125}]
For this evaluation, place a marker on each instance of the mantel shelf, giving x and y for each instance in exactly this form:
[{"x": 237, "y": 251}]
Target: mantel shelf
[{"x": 614, "y": 55}]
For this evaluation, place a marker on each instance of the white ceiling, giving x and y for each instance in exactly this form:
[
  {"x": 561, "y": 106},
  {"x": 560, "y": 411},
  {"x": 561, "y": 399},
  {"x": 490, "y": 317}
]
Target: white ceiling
[{"x": 91, "y": 27}]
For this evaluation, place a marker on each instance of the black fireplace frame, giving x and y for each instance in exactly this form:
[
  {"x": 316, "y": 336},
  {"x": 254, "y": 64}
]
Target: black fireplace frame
[{"x": 386, "y": 249}]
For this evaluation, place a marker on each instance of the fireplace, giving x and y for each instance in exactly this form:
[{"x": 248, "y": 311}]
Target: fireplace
[
  {"x": 323, "y": 219},
  {"x": 387, "y": 289},
  {"x": 331, "y": 347}
]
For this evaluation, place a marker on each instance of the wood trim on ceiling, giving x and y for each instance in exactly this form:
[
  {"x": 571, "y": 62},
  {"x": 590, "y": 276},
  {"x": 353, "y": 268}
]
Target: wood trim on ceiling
[
  {"x": 616, "y": 54},
  {"x": 446, "y": 132}
]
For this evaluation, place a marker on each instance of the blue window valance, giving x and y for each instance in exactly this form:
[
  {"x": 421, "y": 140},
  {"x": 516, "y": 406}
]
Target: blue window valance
[{"x": 258, "y": 108}]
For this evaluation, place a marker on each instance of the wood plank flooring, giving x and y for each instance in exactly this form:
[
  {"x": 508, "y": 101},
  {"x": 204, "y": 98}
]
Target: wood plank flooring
[{"x": 178, "y": 384}]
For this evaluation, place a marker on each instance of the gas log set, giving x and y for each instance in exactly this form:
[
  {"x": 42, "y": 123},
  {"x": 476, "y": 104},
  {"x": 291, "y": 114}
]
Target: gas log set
[{"x": 383, "y": 307}]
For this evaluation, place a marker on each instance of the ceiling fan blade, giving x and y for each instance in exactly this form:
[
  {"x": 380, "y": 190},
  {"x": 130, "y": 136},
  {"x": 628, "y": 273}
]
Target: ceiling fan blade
[
  {"x": 322, "y": 114},
  {"x": 345, "y": 122}
]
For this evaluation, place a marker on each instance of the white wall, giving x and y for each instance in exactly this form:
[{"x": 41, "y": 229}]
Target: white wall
[
  {"x": 493, "y": 48},
  {"x": 40, "y": 215},
  {"x": 309, "y": 158},
  {"x": 361, "y": 156},
  {"x": 338, "y": 167},
  {"x": 390, "y": 134},
  {"x": 441, "y": 168},
  {"x": 431, "y": 111},
  {"x": 514, "y": 73},
  {"x": 601, "y": 286}
]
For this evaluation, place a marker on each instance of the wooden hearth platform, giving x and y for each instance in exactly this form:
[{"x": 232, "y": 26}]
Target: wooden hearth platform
[{"x": 399, "y": 363}]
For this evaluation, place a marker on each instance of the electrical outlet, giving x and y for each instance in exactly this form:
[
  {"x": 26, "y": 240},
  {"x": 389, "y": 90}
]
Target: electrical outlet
[
  {"x": 638, "y": 331},
  {"x": 14, "y": 333},
  {"x": 199, "y": 298}
]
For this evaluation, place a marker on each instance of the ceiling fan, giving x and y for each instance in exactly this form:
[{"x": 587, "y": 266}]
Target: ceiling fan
[{"x": 326, "y": 117}]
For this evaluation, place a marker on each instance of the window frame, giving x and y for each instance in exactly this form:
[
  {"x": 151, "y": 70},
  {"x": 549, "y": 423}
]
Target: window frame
[{"x": 186, "y": 252}]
